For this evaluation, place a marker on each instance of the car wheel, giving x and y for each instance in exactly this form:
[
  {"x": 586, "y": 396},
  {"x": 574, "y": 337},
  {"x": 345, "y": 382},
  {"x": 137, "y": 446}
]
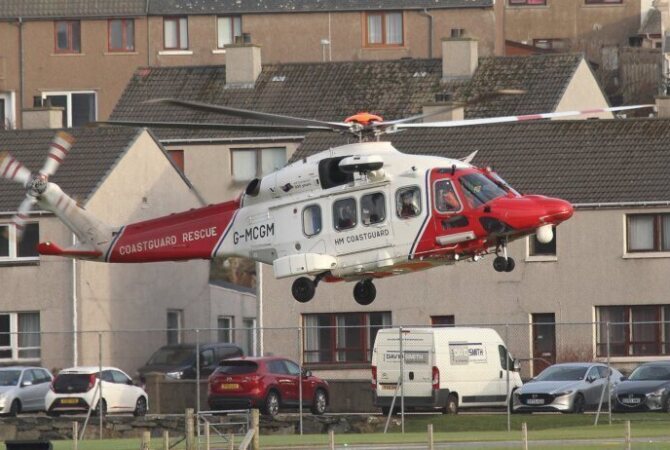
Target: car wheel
[
  {"x": 667, "y": 404},
  {"x": 96, "y": 411},
  {"x": 271, "y": 406},
  {"x": 320, "y": 402},
  {"x": 140, "y": 407},
  {"x": 15, "y": 408},
  {"x": 578, "y": 404},
  {"x": 452, "y": 404}
]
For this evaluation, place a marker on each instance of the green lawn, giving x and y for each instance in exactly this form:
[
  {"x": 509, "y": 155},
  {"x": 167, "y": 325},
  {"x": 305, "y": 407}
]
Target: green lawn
[{"x": 460, "y": 428}]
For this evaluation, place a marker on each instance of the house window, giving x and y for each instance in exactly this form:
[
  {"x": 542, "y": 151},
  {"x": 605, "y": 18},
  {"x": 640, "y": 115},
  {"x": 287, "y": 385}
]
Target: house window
[
  {"x": 19, "y": 336},
  {"x": 442, "y": 321},
  {"x": 67, "y": 36},
  {"x": 175, "y": 325},
  {"x": 344, "y": 214},
  {"x": 384, "y": 29},
  {"x": 177, "y": 157},
  {"x": 373, "y": 208},
  {"x": 250, "y": 332},
  {"x": 250, "y": 163},
  {"x": 640, "y": 330},
  {"x": 79, "y": 108},
  {"x": 175, "y": 33},
  {"x": 603, "y": 2},
  {"x": 648, "y": 233},
  {"x": 121, "y": 35},
  {"x": 227, "y": 29},
  {"x": 527, "y": 2},
  {"x": 311, "y": 220},
  {"x": 549, "y": 44},
  {"x": 15, "y": 250},
  {"x": 225, "y": 326},
  {"x": 4, "y": 125},
  {"x": 537, "y": 248},
  {"x": 342, "y": 337}
]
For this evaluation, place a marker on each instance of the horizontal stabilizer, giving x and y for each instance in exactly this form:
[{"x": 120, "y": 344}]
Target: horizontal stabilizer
[{"x": 49, "y": 248}]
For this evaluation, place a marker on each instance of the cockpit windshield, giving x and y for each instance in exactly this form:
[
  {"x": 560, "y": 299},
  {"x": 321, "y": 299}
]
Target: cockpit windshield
[
  {"x": 503, "y": 184},
  {"x": 479, "y": 189}
]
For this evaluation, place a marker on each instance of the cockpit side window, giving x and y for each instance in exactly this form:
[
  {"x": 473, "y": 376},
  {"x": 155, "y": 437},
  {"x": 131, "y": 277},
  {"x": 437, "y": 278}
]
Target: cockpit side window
[
  {"x": 479, "y": 190},
  {"x": 344, "y": 214},
  {"x": 408, "y": 202},
  {"x": 311, "y": 220},
  {"x": 373, "y": 208},
  {"x": 446, "y": 200}
]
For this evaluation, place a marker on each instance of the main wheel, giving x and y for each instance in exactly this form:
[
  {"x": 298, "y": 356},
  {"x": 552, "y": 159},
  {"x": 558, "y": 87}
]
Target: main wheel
[
  {"x": 365, "y": 292},
  {"x": 500, "y": 263},
  {"x": 452, "y": 404},
  {"x": 510, "y": 265},
  {"x": 320, "y": 402},
  {"x": 303, "y": 289},
  {"x": 578, "y": 404},
  {"x": 140, "y": 407},
  {"x": 271, "y": 406},
  {"x": 15, "y": 408}
]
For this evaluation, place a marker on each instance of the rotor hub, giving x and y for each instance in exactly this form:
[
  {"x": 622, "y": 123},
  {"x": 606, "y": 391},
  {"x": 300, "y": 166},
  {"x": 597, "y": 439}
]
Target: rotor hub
[{"x": 38, "y": 184}]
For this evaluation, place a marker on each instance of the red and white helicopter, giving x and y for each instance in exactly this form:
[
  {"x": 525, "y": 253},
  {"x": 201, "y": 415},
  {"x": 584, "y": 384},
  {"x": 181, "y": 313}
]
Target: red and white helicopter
[{"x": 358, "y": 212}]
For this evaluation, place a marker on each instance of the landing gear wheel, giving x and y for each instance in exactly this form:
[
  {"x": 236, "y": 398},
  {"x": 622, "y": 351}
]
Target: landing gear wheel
[
  {"x": 510, "y": 265},
  {"x": 365, "y": 292},
  {"x": 303, "y": 289},
  {"x": 500, "y": 264}
]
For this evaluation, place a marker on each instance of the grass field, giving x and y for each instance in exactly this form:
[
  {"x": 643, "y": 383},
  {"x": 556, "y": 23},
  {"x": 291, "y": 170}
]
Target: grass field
[{"x": 463, "y": 428}]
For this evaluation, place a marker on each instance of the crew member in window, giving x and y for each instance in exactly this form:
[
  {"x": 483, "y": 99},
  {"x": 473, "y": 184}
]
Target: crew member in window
[
  {"x": 408, "y": 207},
  {"x": 446, "y": 198},
  {"x": 346, "y": 216}
]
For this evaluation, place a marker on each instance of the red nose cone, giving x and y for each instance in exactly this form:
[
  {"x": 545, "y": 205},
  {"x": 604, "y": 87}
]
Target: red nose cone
[{"x": 558, "y": 210}]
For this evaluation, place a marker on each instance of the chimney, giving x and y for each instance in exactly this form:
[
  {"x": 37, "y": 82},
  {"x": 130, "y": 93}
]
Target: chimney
[
  {"x": 243, "y": 65},
  {"x": 453, "y": 111},
  {"x": 663, "y": 106},
  {"x": 41, "y": 117},
  {"x": 459, "y": 58}
]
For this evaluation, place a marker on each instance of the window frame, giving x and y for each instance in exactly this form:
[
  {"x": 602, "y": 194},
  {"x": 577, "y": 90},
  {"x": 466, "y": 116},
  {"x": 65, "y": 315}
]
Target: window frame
[
  {"x": 14, "y": 333},
  {"x": 302, "y": 216},
  {"x": 70, "y": 34},
  {"x": 68, "y": 108},
  {"x": 524, "y": 3},
  {"x": 124, "y": 34},
  {"x": 360, "y": 207},
  {"x": 229, "y": 329},
  {"x": 13, "y": 245},
  {"x": 658, "y": 235},
  {"x": 602, "y": 2},
  {"x": 399, "y": 192},
  {"x": 541, "y": 257},
  {"x": 259, "y": 161},
  {"x": 8, "y": 120},
  {"x": 453, "y": 189},
  {"x": 178, "y": 332},
  {"x": 177, "y": 20},
  {"x": 355, "y": 222},
  {"x": 384, "y": 43},
  {"x": 234, "y": 19},
  {"x": 662, "y": 341}
]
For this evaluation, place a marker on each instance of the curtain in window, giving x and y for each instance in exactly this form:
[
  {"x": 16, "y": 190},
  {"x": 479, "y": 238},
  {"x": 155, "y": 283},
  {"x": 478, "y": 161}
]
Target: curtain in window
[
  {"x": 394, "y": 28},
  {"x": 640, "y": 232},
  {"x": 665, "y": 227},
  {"x": 374, "y": 29},
  {"x": 4, "y": 241},
  {"x": 616, "y": 315},
  {"x": 644, "y": 338},
  {"x": 225, "y": 31},
  {"x": 244, "y": 165},
  {"x": 170, "y": 30},
  {"x": 312, "y": 341},
  {"x": 29, "y": 337},
  {"x": 183, "y": 33},
  {"x": 272, "y": 159}
]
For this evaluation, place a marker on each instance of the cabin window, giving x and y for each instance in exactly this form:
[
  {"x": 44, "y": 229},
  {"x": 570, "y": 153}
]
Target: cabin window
[
  {"x": 373, "y": 208},
  {"x": 311, "y": 220},
  {"x": 344, "y": 214},
  {"x": 408, "y": 202},
  {"x": 446, "y": 200}
]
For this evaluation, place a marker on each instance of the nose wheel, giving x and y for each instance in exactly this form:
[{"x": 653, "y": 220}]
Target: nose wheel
[
  {"x": 365, "y": 292},
  {"x": 503, "y": 263}
]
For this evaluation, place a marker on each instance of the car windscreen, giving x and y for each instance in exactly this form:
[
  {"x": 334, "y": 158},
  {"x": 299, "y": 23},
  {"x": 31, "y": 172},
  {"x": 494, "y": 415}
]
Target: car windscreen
[
  {"x": 562, "y": 373},
  {"x": 644, "y": 373},
  {"x": 479, "y": 190},
  {"x": 9, "y": 377},
  {"x": 237, "y": 367},
  {"x": 71, "y": 382},
  {"x": 172, "y": 356}
]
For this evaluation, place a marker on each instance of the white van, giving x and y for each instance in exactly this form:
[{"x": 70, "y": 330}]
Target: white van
[{"x": 444, "y": 368}]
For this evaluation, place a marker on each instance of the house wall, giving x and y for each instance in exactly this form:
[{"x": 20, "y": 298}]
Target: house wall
[
  {"x": 9, "y": 60},
  {"x": 237, "y": 304},
  {"x": 590, "y": 270},
  {"x": 136, "y": 297},
  {"x": 585, "y": 28},
  {"x": 583, "y": 92}
]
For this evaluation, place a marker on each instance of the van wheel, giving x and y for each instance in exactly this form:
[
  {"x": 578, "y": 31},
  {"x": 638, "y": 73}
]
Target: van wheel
[{"x": 452, "y": 405}]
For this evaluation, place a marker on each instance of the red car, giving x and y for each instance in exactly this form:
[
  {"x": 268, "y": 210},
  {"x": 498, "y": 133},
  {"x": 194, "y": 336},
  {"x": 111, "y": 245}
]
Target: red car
[{"x": 267, "y": 383}]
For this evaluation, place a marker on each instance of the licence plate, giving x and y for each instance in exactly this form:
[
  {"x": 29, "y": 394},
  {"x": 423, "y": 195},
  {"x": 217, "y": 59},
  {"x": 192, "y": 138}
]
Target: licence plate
[
  {"x": 230, "y": 386},
  {"x": 633, "y": 400},
  {"x": 69, "y": 401},
  {"x": 388, "y": 387},
  {"x": 535, "y": 401}
]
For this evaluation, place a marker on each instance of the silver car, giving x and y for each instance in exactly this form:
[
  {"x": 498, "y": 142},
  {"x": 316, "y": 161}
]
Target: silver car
[
  {"x": 568, "y": 388},
  {"x": 23, "y": 389}
]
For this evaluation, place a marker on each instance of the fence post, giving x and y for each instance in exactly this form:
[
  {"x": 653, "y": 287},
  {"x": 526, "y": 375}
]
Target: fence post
[
  {"x": 524, "y": 436},
  {"x": 166, "y": 440},
  {"x": 402, "y": 385},
  {"x": 255, "y": 422},
  {"x": 431, "y": 444},
  {"x": 75, "y": 435},
  {"x": 101, "y": 399},
  {"x": 609, "y": 369},
  {"x": 146, "y": 440},
  {"x": 331, "y": 439},
  {"x": 197, "y": 374},
  {"x": 231, "y": 441},
  {"x": 301, "y": 377},
  {"x": 190, "y": 432},
  {"x": 206, "y": 435},
  {"x": 509, "y": 395},
  {"x": 628, "y": 436}
]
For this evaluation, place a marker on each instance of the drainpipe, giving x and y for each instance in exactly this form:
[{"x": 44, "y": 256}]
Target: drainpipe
[
  {"x": 75, "y": 329},
  {"x": 146, "y": 10},
  {"x": 425, "y": 13},
  {"x": 20, "y": 105}
]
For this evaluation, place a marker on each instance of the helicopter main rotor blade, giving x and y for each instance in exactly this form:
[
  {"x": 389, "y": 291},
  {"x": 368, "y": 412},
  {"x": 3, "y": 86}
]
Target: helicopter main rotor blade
[
  {"x": 21, "y": 215},
  {"x": 256, "y": 115},
  {"x": 58, "y": 150},
  {"x": 213, "y": 126},
  {"x": 12, "y": 170},
  {"x": 506, "y": 119}
]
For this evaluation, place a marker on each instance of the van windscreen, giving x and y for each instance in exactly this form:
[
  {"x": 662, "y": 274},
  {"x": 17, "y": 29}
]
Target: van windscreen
[{"x": 237, "y": 367}]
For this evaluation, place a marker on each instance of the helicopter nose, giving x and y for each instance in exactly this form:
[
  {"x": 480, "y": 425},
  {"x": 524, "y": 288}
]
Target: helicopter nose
[{"x": 557, "y": 210}]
